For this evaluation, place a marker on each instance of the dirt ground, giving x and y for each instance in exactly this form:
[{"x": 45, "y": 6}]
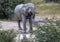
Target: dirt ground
[{"x": 13, "y": 24}]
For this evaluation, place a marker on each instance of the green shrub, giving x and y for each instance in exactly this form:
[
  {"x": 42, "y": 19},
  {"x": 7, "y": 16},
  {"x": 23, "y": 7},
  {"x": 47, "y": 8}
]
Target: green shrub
[
  {"x": 7, "y": 36},
  {"x": 50, "y": 32}
]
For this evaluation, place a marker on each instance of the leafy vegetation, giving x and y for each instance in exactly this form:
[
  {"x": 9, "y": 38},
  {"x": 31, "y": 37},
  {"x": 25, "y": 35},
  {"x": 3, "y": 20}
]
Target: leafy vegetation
[
  {"x": 50, "y": 32},
  {"x": 7, "y": 7},
  {"x": 7, "y": 36},
  {"x": 56, "y": 1}
]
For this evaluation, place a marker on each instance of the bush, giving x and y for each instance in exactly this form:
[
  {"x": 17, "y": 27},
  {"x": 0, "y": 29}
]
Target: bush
[
  {"x": 50, "y": 32},
  {"x": 7, "y": 7},
  {"x": 7, "y": 36}
]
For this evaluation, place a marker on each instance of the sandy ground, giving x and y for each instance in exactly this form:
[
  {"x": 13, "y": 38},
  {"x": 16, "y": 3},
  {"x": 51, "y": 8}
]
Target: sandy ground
[{"x": 13, "y": 24}]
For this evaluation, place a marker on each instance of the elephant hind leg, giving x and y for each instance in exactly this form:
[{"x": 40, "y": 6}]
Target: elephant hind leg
[
  {"x": 30, "y": 22},
  {"x": 19, "y": 24}
]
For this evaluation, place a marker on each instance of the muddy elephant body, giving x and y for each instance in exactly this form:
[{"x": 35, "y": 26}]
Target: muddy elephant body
[{"x": 24, "y": 12}]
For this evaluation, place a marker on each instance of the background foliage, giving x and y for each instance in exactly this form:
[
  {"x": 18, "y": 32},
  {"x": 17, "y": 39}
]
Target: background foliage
[{"x": 7, "y": 6}]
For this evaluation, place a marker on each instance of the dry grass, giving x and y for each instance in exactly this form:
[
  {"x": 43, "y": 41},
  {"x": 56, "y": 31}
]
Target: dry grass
[{"x": 48, "y": 10}]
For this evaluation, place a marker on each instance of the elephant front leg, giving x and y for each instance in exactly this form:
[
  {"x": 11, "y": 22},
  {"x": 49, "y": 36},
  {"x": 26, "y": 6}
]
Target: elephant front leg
[
  {"x": 24, "y": 25},
  {"x": 30, "y": 22}
]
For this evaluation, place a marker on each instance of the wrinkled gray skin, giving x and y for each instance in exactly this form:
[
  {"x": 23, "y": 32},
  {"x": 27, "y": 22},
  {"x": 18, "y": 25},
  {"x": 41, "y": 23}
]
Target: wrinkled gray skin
[{"x": 24, "y": 12}]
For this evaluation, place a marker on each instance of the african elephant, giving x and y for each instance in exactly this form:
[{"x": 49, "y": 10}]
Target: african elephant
[{"x": 24, "y": 12}]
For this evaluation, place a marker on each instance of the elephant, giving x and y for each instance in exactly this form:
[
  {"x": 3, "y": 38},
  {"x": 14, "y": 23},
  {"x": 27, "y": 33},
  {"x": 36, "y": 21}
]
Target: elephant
[{"x": 22, "y": 13}]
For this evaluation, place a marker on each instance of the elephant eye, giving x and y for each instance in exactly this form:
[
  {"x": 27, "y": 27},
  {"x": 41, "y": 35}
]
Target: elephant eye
[{"x": 29, "y": 10}]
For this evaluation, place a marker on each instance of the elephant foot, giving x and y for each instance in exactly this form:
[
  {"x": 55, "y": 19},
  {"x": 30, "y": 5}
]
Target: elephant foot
[
  {"x": 24, "y": 32},
  {"x": 20, "y": 28},
  {"x": 30, "y": 31}
]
